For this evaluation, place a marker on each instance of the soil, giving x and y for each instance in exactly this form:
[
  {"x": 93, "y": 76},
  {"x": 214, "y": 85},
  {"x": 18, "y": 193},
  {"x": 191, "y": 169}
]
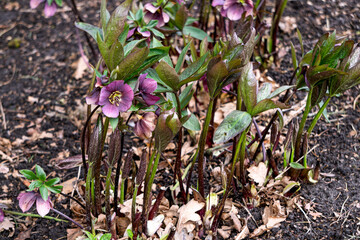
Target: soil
[{"x": 39, "y": 94}]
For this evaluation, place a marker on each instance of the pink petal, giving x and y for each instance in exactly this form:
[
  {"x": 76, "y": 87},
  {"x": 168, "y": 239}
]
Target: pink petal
[
  {"x": 2, "y": 215},
  {"x": 234, "y": 13},
  {"x": 150, "y": 99},
  {"x": 35, "y": 3},
  {"x": 165, "y": 17},
  {"x": 147, "y": 85},
  {"x": 151, "y": 8},
  {"x": 143, "y": 33},
  {"x": 93, "y": 97},
  {"x": 130, "y": 33},
  {"x": 110, "y": 110},
  {"x": 43, "y": 207},
  {"x": 26, "y": 200},
  {"x": 217, "y": 3},
  {"x": 50, "y": 10}
]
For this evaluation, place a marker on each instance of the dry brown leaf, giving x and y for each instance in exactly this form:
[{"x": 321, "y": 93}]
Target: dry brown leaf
[
  {"x": 7, "y": 224},
  {"x": 80, "y": 65},
  {"x": 24, "y": 235},
  {"x": 188, "y": 216},
  {"x": 68, "y": 185},
  {"x": 74, "y": 233},
  {"x": 258, "y": 173}
]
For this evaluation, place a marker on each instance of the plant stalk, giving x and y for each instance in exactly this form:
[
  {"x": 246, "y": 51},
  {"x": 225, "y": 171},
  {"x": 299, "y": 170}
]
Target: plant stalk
[
  {"x": 202, "y": 143},
  {"x": 318, "y": 115}
]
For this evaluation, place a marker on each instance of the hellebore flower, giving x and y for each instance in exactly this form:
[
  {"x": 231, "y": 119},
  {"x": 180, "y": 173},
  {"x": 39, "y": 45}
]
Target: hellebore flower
[
  {"x": 234, "y": 9},
  {"x": 146, "y": 87},
  {"x": 145, "y": 125},
  {"x": 115, "y": 98},
  {"x": 2, "y": 215},
  {"x": 49, "y": 10},
  {"x": 138, "y": 29},
  {"x": 27, "y": 199},
  {"x": 93, "y": 97},
  {"x": 155, "y": 13}
]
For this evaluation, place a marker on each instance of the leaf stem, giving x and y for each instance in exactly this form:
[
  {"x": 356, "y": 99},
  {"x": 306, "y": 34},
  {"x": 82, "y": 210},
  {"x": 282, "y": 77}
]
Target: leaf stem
[
  {"x": 202, "y": 143},
  {"x": 33, "y": 215},
  {"x": 318, "y": 115}
]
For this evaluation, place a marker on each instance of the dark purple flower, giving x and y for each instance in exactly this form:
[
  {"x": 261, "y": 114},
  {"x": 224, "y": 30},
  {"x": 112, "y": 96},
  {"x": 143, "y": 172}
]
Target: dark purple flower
[
  {"x": 49, "y": 10},
  {"x": 145, "y": 125},
  {"x": 146, "y": 87},
  {"x": 234, "y": 9},
  {"x": 2, "y": 215},
  {"x": 115, "y": 98},
  {"x": 93, "y": 97},
  {"x": 155, "y": 13},
  {"x": 27, "y": 199}
]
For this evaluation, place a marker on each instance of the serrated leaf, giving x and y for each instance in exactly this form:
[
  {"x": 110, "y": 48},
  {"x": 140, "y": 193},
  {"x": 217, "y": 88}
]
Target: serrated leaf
[
  {"x": 168, "y": 75},
  {"x": 131, "y": 45},
  {"x": 192, "y": 123},
  {"x": 265, "y": 105},
  {"x": 233, "y": 124},
  {"x": 279, "y": 90},
  {"x": 52, "y": 182},
  {"x": 193, "y": 68},
  {"x": 40, "y": 173},
  {"x": 181, "y": 58},
  {"x": 116, "y": 55},
  {"x": 196, "y": 33},
  {"x": 264, "y": 91},
  {"x": 248, "y": 86},
  {"x": 30, "y": 175},
  {"x": 35, "y": 184},
  {"x": 216, "y": 72},
  {"x": 44, "y": 192},
  {"x": 90, "y": 29},
  {"x": 55, "y": 189},
  {"x": 181, "y": 17}
]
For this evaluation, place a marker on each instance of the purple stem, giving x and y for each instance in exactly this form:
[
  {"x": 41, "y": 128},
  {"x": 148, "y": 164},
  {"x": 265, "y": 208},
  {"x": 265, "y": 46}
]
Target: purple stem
[
  {"x": 68, "y": 218},
  {"x": 262, "y": 143}
]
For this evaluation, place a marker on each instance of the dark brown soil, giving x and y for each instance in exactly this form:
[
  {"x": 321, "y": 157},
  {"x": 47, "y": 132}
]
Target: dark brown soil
[{"x": 41, "y": 68}]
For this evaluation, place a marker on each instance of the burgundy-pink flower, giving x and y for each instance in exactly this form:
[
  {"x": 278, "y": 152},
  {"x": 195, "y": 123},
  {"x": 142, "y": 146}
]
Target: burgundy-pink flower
[
  {"x": 115, "y": 98},
  {"x": 27, "y": 200},
  {"x": 145, "y": 125},
  {"x": 146, "y": 87}
]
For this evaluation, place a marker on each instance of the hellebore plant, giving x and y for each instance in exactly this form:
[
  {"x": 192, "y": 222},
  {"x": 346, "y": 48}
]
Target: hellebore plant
[
  {"x": 136, "y": 81},
  {"x": 50, "y": 6},
  {"x": 42, "y": 199}
]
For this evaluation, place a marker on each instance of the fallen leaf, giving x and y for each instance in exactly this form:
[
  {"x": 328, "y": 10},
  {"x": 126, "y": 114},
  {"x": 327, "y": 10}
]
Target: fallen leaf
[
  {"x": 188, "y": 216},
  {"x": 258, "y": 173}
]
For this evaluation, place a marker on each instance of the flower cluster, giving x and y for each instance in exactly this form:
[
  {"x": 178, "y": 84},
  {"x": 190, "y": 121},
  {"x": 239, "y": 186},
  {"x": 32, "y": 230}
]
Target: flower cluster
[{"x": 234, "y": 9}]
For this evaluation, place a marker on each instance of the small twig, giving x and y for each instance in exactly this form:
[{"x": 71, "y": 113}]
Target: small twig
[
  {"x": 33, "y": 215},
  {"x": 3, "y": 116},
  {"x": 306, "y": 216},
  {"x": 72, "y": 198}
]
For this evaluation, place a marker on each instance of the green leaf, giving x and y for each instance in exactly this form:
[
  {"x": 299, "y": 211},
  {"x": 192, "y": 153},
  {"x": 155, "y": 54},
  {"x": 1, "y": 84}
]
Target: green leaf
[
  {"x": 248, "y": 86},
  {"x": 301, "y": 41},
  {"x": 44, "y": 192},
  {"x": 157, "y": 33},
  {"x": 193, "y": 68},
  {"x": 192, "y": 123},
  {"x": 114, "y": 123},
  {"x": 216, "y": 72},
  {"x": 233, "y": 124},
  {"x": 131, "y": 45},
  {"x": 155, "y": 44},
  {"x": 181, "y": 58},
  {"x": 30, "y": 175},
  {"x": 106, "y": 236},
  {"x": 296, "y": 165},
  {"x": 168, "y": 75},
  {"x": 264, "y": 91},
  {"x": 35, "y": 184},
  {"x": 293, "y": 56},
  {"x": 131, "y": 63},
  {"x": 123, "y": 35},
  {"x": 90, "y": 29},
  {"x": 196, "y": 33},
  {"x": 55, "y": 189},
  {"x": 279, "y": 90},
  {"x": 59, "y": 3},
  {"x": 181, "y": 17},
  {"x": 104, "y": 15},
  {"x": 116, "y": 55},
  {"x": 116, "y": 23},
  {"x": 186, "y": 96},
  {"x": 265, "y": 105},
  {"x": 328, "y": 44},
  {"x": 40, "y": 173},
  {"x": 52, "y": 182}
]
